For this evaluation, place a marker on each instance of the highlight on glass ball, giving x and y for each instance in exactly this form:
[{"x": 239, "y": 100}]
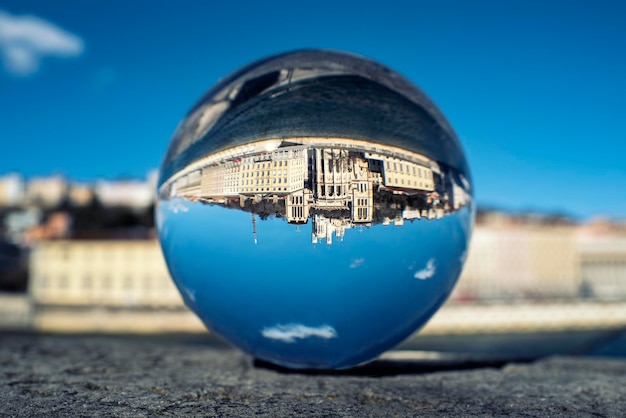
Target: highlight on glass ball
[{"x": 315, "y": 209}]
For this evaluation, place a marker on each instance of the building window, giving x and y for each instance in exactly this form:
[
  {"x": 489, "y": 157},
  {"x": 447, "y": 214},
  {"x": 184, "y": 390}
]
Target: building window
[
  {"x": 128, "y": 282},
  {"x": 63, "y": 282}
]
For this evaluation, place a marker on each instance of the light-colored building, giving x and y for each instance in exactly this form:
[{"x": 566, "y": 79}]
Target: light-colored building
[
  {"x": 310, "y": 177},
  {"x": 281, "y": 171},
  {"x": 46, "y": 192},
  {"x": 212, "y": 183},
  {"x": 325, "y": 228},
  {"x": 459, "y": 196},
  {"x": 339, "y": 181},
  {"x": 92, "y": 286},
  {"x": 521, "y": 262},
  {"x": 331, "y": 169},
  {"x": 404, "y": 174},
  {"x": 80, "y": 194},
  {"x": 11, "y": 190},
  {"x": 137, "y": 194},
  {"x": 298, "y": 206},
  {"x": 128, "y": 273},
  {"x": 362, "y": 202},
  {"x": 189, "y": 185},
  {"x": 603, "y": 265}
]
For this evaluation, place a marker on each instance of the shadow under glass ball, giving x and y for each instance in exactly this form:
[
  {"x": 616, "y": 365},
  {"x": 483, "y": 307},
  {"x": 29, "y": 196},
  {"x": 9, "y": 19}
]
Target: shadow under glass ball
[{"x": 314, "y": 209}]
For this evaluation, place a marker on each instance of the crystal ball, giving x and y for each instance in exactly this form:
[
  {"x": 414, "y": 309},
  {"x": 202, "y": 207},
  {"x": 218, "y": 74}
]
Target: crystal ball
[{"x": 314, "y": 209}]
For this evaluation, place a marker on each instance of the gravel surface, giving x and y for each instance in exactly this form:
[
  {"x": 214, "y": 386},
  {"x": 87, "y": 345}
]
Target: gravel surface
[{"x": 43, "y": 375}]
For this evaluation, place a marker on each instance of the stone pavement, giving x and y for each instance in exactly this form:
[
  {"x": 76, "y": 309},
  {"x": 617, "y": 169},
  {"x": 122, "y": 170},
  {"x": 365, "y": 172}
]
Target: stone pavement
[{"x": 47, "y": 375}]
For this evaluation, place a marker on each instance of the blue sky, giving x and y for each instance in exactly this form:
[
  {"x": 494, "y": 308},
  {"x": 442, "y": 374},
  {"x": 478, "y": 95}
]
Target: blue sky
[
  {"x": 535, "y": 90},
  {"x": 286, "y": 285}
]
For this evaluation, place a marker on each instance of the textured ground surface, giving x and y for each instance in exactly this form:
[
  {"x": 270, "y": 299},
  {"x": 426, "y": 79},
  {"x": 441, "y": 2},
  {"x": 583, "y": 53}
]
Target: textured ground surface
[{"x": 135, "y": 377}]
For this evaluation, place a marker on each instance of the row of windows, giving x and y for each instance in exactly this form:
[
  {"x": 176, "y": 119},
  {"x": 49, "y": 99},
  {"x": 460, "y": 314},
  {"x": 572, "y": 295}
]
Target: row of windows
[
  {"x": 106, "y": 282},
  {"x": 362, "y": 214},
  {"x": 264, "y": 189},
  {"x": 296, "y": 200},
  {"x": 332, "y": 165},
  {"x": 267, "y": 173},
  {"x": 406, "y": 168},
  {"x": 137, "y": 255},
  {"x": 333, "y": 190},
  {"x": 276, "y": 156},
  {"x": 257, "y": 167},
  {"x": 409, "y": 182},
  {"x": 231, "y": 184},
  {"x": 275, "y": 163},
  {"x": 297, "y": 212},
  {"x": 262, "y": 181},
  {"x": 237, "y": 175}
]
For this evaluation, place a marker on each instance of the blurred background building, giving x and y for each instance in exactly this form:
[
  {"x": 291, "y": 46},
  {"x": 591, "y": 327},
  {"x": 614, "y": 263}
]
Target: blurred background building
[{"x": 83, "y": 258}]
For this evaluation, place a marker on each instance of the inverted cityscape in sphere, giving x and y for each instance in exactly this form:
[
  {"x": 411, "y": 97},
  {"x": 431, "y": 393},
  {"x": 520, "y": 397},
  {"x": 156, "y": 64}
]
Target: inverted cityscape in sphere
[{"x": 315, "y": 209}]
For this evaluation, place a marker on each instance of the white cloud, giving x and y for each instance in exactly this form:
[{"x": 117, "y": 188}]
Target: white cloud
[
  {"x": 356, "y": 262},
  {"x": 428, "y": 271},
  {"x": 176, "y": 206},
  {"x": 25, "y": 40},
  {"x": 290, "y": 332}
]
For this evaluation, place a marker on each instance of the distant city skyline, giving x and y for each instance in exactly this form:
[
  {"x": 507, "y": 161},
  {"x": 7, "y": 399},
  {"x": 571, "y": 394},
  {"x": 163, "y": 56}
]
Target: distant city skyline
[
  {"x": 534, "y": 90},
  {"x": 337, "y": 183}
]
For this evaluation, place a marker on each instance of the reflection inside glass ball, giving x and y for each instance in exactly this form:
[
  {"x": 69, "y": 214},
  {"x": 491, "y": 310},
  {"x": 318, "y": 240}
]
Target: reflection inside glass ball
[{"x": 314, "y": 209}]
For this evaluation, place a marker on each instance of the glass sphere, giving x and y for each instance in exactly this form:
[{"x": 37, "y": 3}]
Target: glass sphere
[{"x": 315, "y": 209}]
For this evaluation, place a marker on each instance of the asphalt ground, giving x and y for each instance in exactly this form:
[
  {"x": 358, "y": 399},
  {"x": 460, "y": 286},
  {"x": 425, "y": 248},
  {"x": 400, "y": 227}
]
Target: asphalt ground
[{"x": 559, "y": 374}]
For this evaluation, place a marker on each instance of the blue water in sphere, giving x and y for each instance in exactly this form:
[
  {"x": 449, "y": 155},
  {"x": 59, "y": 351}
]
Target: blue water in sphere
[{"x": 315, "y": 209}]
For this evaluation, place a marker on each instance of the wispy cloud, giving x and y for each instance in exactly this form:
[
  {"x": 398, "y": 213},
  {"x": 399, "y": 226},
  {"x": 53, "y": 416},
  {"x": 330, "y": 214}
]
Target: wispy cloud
[
  {"x": 190, "y": 294},
  {"x": 356, "y": 262},
  {"x": 288, "y": 333},
  {"x": 176, "y": 206},
  {"x": 25, "y": 40},
  {"x": 463, "y": 257},
  {"x": 428, "y": 271}
]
